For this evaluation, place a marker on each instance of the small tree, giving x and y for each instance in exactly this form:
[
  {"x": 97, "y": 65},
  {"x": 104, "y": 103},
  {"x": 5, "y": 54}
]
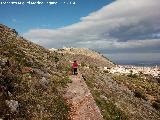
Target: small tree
[
  {"x": 132, "y": 75},
  {"x": 14, "y": 31}
]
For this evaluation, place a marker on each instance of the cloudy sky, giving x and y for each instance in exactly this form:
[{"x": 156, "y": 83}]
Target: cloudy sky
[{"x": 126, "y": 31}]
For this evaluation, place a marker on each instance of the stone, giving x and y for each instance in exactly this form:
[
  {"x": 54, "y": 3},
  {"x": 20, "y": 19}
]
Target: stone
[
  {"x": 3, "y": 62},
  {"x": 46, "y": 75},
  {"x": 44, "y": 82},
  {"x": 26, "y": 70},
  {"x": 0, "y": 71},
  {"x": 38, "y": 71},
  {"x": 10, "y": 94},
  {"x": 103, "y": 97},
  {"x": 12, "y": 104}
]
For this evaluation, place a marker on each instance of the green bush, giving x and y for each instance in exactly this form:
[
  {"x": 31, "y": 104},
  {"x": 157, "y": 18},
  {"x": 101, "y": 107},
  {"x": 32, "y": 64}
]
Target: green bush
[
  {"x": 83, "y": 64},
  {"x": 132, "y": 75},
  {"x": 158, "y": 80},
  {"x": 156, "y": 105},
  {"x": 106, "y": 71},
  {"x": 139, "y": 94},
  {"x": 56, "y": 59}
]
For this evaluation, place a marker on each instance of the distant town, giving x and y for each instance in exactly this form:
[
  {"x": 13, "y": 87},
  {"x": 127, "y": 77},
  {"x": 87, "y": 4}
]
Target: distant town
[{"x": 130, "y": 69}]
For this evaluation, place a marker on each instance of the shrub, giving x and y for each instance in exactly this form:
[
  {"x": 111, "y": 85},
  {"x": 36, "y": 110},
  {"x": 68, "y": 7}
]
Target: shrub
[
  {"x": 106, "y": 71},
  {"x": 158, "y": 79},
  {"x": 56, "y": 59},
  {"x": 14, "y": 31},
  {"x": 132, "y": 75},
  {"x": 83, "y": 64},
  {"x": 156, "y": 105},
  {"x": 158, "y": 100},
  {"x": 139, "y": 94}
]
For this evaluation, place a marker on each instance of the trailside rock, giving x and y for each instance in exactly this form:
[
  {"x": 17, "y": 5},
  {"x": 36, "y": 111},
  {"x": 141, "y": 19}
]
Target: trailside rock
[
  {"x": 12, "y": 104},
  {"x": 44, "y": 82}
]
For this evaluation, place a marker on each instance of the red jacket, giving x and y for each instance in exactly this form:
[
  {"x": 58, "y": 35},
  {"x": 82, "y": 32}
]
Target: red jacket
[{"x": 74, "y": 65}]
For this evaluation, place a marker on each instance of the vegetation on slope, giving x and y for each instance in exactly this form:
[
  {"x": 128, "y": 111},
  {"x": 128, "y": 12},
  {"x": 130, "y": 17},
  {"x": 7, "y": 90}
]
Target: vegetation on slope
[
  {"x": 118, "y": 97},
  {"x": 103, "y": 99},
  {"x": 146, "y": 89},
  {"x": 34, "y": 78},
  {"x": 120, "y": 101},
  {"x": 92, "y": 61},
  {"x": 31, "y": 76}
]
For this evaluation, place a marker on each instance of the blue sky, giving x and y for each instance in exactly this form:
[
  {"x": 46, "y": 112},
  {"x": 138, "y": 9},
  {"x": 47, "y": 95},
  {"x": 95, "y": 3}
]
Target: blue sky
[
  {"x": 126, "y": 31},
  {"x": 27, "y": 16}
]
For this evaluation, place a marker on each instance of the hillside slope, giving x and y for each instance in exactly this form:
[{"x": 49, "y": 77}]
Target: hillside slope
[
  {"x": 118, "y": 97},
  {"x": 85, "y": 57},
  {"x": 30, "y": 80}
]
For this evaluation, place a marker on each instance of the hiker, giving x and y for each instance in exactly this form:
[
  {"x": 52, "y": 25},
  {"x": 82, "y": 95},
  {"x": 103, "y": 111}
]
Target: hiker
[{"x": 74, "y": 67}]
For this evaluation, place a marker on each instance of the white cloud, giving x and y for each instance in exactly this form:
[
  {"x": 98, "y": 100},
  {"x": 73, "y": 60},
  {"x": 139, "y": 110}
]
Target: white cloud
[
  {"x": 123, "y": 24},
  {"x": 138, "y": 43}
]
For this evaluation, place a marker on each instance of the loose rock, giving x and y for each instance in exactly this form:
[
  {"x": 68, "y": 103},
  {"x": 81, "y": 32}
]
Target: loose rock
[{"x": 12, "y": 104}]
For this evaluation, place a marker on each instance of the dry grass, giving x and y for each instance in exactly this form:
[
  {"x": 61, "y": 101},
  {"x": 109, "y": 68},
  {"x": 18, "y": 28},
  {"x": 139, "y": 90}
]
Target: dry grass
[{"x": 36, "y": 102}]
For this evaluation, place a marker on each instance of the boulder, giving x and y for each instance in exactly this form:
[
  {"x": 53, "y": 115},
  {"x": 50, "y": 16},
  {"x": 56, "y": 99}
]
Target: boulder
[
  {"x": 12, "y": 104},
  {"x": 26, "y": 70},
  {"x": 3, "y": 62},
  {"x": 41, "y": 73},
  {"x": 103, "y": 97},
  {"x": 38, "y": 71},
  {"x": 44, "y": 82}
]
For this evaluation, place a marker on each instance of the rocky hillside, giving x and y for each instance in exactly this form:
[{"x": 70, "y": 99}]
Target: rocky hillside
[
  {"x": 122, "y": 97},
  {"x": 85, "y": 57},
  {"x": 31, "y": 80},
  {"x": 119, "y": 97}
]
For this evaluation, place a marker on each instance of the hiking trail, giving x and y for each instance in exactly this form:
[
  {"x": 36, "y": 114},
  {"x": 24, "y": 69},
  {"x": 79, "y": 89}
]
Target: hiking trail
[{"x": 83, "y": 106}]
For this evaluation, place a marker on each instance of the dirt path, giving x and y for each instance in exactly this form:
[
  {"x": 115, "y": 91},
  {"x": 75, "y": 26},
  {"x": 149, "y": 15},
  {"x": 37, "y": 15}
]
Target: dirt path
[{"x": 83, "y": 106}]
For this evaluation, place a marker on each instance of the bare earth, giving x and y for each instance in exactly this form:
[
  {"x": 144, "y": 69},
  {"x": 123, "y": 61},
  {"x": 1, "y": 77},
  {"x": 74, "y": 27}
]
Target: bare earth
[{"x": 83, "y": 106}]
